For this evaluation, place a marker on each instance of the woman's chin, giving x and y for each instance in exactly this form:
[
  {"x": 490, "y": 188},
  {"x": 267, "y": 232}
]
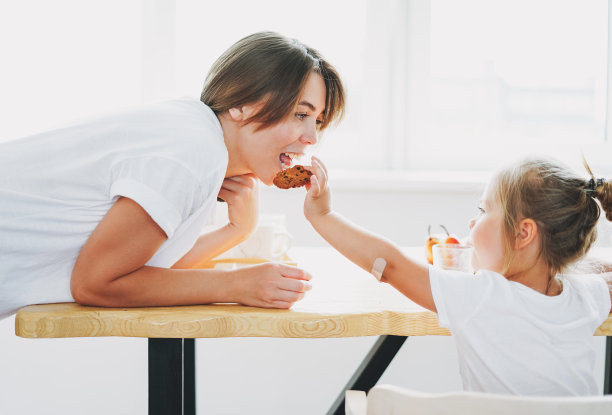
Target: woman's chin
[{"x": 268, "y": 181}]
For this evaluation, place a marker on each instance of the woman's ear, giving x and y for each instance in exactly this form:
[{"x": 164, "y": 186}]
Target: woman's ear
[
  {"x": 528, "y": 232},
  {"x": 237, "y": 113},
  {"x": 243, "y": 112}
]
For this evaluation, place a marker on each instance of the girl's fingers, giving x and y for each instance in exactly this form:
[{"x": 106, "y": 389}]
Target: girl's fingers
[
  {"x": 314, "y": 188},
  {"x": 320, "y": 171},
  {"x": 320, "y": 163}
]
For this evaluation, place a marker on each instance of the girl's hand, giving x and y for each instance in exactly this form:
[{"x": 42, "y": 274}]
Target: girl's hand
[
  {"x": 242, "y": 196},
  {"x": 271, "y": 285},
  {"x": 318, "y": 198}
]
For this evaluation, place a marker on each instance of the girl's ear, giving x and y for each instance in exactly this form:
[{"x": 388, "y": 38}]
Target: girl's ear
[{"x": 528, "y": 232}]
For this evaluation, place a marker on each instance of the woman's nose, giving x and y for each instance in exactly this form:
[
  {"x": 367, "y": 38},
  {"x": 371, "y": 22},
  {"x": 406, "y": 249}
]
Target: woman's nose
[{"x": 309, "y": 135}]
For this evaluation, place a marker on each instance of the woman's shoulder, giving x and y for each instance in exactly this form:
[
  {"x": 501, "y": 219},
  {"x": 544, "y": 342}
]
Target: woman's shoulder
[{"x": 181, "y": 115}]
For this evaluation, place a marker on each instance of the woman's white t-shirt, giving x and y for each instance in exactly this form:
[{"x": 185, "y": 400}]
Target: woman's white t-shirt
[
  {"x": 512, "y": 339},
  {"x": 55, "y": 187}
]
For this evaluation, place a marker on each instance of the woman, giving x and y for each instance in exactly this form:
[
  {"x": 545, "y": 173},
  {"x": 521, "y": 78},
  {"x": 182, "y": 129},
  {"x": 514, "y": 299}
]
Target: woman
[{"x": 109, "y": 212}]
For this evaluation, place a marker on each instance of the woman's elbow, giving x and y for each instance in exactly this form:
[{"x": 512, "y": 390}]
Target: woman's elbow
[{"x": 86, "y": 291}]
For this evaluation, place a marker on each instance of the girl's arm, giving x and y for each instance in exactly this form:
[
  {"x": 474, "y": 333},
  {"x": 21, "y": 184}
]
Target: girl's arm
[
  {"x": 110, "y": 271},
  {"x": 363, "y": 247}
]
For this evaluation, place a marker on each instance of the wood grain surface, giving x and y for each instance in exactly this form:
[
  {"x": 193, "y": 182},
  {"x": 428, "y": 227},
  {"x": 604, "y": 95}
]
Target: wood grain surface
[
  {"x": 345, "y": 302},
  {"x": 219, "y": 320}
]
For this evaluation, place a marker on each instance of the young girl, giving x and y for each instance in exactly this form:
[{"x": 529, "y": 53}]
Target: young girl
[
  {"x": 109, "y": 212},
  {"x": 520, "y": 325}
]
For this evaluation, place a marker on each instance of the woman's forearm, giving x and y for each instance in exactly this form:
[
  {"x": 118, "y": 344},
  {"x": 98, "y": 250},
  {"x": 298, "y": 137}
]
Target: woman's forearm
[
  {"x": 270, "y": 285},
  {"x": 152, "y": 286}
]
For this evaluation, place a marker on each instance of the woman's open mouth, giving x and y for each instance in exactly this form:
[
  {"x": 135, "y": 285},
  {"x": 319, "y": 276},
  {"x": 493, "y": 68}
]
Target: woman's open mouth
[{"x": 287, "y": 159}]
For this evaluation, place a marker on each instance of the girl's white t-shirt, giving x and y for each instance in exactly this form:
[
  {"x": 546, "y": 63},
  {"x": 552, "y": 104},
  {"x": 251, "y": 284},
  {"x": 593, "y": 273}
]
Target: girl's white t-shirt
[
  {"x": 55, "y": 187},
  {"x": 512, "y": 339}
]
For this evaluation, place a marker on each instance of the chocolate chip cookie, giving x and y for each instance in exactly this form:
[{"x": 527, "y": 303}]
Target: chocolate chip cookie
[{"x": 296, "y": 176}]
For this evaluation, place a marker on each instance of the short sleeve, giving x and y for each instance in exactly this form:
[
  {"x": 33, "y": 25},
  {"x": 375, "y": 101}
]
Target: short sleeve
[
  {"x": 164, "y": 188},
  {"x": 457, "y": 295}
]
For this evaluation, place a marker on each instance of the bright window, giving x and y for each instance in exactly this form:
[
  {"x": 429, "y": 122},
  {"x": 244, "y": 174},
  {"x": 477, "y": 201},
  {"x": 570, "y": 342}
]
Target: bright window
[
  {"x": 508, "y": 79},
  {"x": 438, "y": 84}
]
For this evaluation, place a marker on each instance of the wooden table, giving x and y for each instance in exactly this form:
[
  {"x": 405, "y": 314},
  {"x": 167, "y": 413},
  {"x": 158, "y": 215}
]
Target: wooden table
[{"x": 345, "y": 302}]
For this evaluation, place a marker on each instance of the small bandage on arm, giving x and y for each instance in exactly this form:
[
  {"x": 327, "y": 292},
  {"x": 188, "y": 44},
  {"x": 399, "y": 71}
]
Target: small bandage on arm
[{"x": 378, "y": 268}]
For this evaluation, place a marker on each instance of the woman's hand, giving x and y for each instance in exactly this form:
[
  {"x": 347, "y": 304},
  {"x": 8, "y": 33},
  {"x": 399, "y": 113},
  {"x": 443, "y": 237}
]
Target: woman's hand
[
  {"x": 242, "y": 196},
  {"x": 270, "y": 285},
  {"x": 318, "y": 198}
]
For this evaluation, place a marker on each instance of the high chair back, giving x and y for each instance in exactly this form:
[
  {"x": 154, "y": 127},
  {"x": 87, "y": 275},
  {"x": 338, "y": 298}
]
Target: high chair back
[{"x": 394, "y": 400}]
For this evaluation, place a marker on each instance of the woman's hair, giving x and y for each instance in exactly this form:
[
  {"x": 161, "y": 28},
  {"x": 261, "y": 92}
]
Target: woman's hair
[
  {"x": 270, "y": 67},
  {"x": 561, "y": 203}
]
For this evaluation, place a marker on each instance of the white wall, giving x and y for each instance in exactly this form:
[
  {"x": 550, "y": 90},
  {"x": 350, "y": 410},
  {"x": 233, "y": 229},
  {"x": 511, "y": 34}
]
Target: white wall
[{"x": 253, "y": 375}]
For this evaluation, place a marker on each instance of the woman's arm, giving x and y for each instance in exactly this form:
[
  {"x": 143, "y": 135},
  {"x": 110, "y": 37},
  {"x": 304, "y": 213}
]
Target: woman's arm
[
  {"x": 363, "y": 247},
  {"x": 241, "y": 194},
  {"x": 110, "y": 271}
]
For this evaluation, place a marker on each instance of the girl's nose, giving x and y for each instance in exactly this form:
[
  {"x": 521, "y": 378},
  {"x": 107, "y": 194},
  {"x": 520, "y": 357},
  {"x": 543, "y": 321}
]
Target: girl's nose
[{"x": 471, "y": 223}]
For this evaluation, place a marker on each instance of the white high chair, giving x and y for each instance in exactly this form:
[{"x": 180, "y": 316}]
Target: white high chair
[{"x": 394, "y": 400}]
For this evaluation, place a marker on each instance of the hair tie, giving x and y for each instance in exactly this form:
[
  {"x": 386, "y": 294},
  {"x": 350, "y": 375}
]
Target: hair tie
[{"x": 594, "y": 185}]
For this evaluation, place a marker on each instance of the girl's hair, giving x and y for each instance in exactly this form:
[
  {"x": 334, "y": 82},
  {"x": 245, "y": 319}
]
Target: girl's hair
[
  {"x": 270, "y": 67},
  {"x": 561, "y": 203}
]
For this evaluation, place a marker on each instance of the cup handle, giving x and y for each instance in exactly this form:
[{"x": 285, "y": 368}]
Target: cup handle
[{"x": 282, "y": 246}]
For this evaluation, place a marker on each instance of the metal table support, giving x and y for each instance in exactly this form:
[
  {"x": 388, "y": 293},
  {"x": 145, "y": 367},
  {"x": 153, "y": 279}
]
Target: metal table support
[
  {"x": 371, "y": 369},
  {"x": 172, "y": 377}
]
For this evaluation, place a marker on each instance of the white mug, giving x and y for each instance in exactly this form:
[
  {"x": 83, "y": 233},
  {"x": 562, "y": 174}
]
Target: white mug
[{"x": 270, "y": 239}]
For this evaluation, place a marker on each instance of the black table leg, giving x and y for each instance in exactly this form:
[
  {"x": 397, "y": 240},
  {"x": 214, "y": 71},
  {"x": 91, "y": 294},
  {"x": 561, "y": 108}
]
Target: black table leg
[
  {"x": 172, "y": 377},
  {"x": 371, "y": 369},
  {"x": 608, "y": 372}
]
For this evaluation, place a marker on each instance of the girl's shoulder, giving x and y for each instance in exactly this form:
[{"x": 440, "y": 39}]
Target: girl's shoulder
[
  {"x": 591, "y": 290},
  {"x": 586, "y": 284}
]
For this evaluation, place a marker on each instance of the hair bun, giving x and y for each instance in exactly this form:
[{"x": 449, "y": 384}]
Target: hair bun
[{"x": 603, "y": 192}]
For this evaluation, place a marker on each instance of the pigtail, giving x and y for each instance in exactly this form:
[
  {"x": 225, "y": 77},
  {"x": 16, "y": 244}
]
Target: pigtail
[{"x": 600, "y": 189}]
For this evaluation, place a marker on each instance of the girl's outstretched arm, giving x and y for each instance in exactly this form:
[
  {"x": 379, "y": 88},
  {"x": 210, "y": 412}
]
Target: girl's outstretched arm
[{"x": 361, "y": 246}]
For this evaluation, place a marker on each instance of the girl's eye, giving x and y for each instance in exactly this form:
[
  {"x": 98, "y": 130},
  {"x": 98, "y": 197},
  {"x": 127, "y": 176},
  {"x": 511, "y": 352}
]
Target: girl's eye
[
  {"x": 480, "y": 211},
  {"x": 301, "y": 115}
]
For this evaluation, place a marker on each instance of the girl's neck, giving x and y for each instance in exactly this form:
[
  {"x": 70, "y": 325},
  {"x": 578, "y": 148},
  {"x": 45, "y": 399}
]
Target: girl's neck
[{"x": 535, "y": 275}]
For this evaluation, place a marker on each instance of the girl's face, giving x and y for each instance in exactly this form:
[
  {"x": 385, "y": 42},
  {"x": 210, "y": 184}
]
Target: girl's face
[
  {"x": 486, "y": 235},
  {"x": 267, "y": 151}
]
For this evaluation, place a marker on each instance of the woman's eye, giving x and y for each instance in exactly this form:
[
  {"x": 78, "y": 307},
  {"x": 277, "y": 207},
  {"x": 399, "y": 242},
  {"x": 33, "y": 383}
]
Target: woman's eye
[{"x": 301, "y": 115}]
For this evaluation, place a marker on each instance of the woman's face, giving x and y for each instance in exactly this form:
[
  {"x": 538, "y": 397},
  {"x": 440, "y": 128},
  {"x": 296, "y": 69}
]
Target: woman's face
[
  {"x": 267, "y": 151},
  {"x": 486, "y": 236}
]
